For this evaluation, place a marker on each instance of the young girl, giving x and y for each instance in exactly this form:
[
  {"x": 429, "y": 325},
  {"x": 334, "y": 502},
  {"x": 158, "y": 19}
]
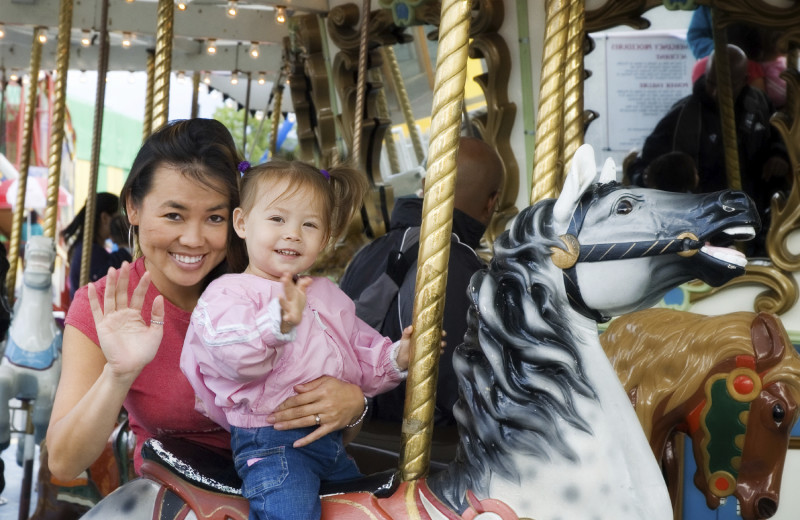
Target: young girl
[{"x": 255, "y": 335}]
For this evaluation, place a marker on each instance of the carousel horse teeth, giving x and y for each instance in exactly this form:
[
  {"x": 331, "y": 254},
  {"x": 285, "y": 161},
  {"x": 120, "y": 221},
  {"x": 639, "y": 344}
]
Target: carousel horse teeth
[
  {"x": 741, "y": 232},
  {"x": 725, "y": 254}
]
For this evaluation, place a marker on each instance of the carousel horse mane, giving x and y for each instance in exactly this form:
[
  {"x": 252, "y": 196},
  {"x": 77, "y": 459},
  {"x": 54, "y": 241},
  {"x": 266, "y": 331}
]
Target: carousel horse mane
[
  {"x": 528, "y": 360},
  {"x": 636, "y": 346}
]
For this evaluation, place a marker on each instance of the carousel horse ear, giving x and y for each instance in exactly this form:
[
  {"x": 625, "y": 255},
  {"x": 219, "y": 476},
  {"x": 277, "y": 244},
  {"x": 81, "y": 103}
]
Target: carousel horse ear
[
  {"x": 609, "y": 172},
  {"x": 769, "y": 340},
  {"x": 582, "y": 174}
]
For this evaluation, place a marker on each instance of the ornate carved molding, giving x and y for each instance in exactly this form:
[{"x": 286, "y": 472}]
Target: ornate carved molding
[{"x": 780, "y": 294}]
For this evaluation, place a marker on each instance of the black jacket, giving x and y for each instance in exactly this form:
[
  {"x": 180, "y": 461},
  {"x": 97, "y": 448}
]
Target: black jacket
[
  {"x": 693, "y": 126},
  {"x": 370, "y": 262}
]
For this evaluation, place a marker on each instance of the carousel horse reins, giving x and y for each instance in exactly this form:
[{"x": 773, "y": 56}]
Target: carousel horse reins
[{"x": 685, "y": 244}]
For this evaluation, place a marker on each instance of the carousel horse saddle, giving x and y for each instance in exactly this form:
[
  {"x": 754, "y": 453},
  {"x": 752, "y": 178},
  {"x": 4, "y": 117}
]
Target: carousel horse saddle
[{"x": 213, "y": 470}]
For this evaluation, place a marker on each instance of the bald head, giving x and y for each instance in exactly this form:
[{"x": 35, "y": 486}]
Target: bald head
[
  {"x": 479, "y": 179},
  {"x": 738, "y": 67}
]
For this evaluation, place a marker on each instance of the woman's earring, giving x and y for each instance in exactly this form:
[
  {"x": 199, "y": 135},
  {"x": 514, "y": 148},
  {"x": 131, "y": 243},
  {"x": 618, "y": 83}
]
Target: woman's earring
[{"x": 130, "y": 239}]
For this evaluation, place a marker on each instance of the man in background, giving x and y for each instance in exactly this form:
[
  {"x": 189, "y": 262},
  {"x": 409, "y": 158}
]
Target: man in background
[{"x": 478, "y": 181}]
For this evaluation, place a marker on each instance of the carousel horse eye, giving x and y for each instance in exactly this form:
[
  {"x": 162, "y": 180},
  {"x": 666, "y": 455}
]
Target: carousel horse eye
[
  {"x": 624, "y": 207},
  {"x": 778, "y": 413}
]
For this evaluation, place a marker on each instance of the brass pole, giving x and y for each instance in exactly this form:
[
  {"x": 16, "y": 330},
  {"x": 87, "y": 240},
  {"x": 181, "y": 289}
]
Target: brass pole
[
  {"x": 59, "y": 110},
  {"x": 246, "y": 114},
  {"x": 25, "y": 162},
  {"x": 195, "y": 94},
  {"x": 361, "y": 84},
  {"x": 725, "y": 103},
  {"x": 276, "y": 116},
  {"x": 434, "y": 249},
  {"x": 573, "y": 86},
  {"x": 388, "y": 139},
  {"x": 97, "y": 137},
  {"x": 405, "y": 103},
  {"x": 163, "y": 63},
  {"x": 147, "y": 123},
  {"x": 549, "y": 129}
]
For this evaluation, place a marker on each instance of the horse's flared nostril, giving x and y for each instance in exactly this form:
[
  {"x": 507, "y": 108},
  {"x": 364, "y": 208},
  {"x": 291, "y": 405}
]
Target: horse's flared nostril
[{"x": 766, "y": 507}]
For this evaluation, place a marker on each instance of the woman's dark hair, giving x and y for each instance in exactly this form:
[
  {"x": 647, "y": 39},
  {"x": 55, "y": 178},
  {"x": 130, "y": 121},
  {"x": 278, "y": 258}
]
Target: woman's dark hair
[
  {"x": 202, "y": 150},
  {"x": 73, "y": 233}
]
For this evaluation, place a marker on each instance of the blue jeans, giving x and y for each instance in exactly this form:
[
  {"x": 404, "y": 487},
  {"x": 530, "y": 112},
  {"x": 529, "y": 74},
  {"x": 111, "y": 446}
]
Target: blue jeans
[{"x": 282, "y": 482}]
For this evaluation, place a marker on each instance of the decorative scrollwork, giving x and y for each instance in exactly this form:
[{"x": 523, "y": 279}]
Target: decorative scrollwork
[{"x": 780, "y": 296}]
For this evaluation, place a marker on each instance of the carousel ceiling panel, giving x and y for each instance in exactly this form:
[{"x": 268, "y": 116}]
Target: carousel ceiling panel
[
  {"x": 187, "y": 55},
  {"x": 254, "y": 22}
]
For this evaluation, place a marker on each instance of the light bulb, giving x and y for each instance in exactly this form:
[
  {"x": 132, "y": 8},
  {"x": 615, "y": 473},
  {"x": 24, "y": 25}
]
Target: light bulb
[
  {"x": 211, "y": 48},
  {"x": 126, "y": 39},
  {"x": 261, "y": 78},
  {"x": 42, "y": 35},
  {"x": 181, "y": 77},
  {"x": 86, "y": 38},
  {"x": 207, "y": 78},
  {"x": 280, "y": 14},
  {"x": 14, "y": 76},
  {"x": 232, "y": 8},
  {"x": 254, "y": 50},
  {"x": 235, "y": 78},
  {"x": 2, "y": 30},
  {"x": 181, "y": 5}
]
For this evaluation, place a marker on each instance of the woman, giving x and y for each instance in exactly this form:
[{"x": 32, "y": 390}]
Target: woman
[
  {"x": 178, "y": 197},
  {"x": 106, "y": 206}
]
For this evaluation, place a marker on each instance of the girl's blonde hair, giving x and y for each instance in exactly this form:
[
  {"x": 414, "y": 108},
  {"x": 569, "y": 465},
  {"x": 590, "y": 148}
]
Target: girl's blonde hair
[{"x": 341, "y": 189}]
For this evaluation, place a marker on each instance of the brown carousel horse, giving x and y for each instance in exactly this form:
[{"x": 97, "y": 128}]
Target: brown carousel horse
[{"x": 730, "y": 382}]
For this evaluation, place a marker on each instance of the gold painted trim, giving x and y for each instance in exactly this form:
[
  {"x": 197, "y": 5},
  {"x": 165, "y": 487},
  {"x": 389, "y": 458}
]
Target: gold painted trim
[{"x": 780, "y": 296}]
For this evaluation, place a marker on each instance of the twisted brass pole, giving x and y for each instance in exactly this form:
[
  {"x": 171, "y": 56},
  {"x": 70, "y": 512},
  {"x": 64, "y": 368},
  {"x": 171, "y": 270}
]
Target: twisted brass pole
[
  {"x": 25, "y": 162},
  {"x": 573, "y": 86},
  {"x": 246, "y": 114},
  {"x": 434, "y": 249},
  {"x": 549, "y": 129},
  {"x": 195, "y": 94},
  {"x": 163, "y": 63},
  {"x": 147, "y": 123},
  {"x": 388, "y": 139},
  {"x": 97, "y": 137},
  {"x": 59, "y": 110},
  {"x": 405, "y": 103},
  {"x": 276, "y": 117},
  {"x": 361, "y": 84},
  {"x": 725, "y": 103}
]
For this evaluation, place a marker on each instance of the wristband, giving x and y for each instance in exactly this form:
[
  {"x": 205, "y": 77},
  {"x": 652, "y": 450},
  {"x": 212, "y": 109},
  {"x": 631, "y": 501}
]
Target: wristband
[{"x": 363, "y": 414}]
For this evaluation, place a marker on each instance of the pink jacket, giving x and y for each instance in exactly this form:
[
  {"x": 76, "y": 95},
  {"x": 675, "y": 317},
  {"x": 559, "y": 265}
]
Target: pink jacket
[{"x": 242, "y": 367}]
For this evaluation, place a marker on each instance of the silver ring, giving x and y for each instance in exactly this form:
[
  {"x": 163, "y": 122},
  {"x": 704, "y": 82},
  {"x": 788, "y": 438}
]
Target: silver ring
[
  {"x": 316, "y": 418},
  {"x": 156, "y": 322}
]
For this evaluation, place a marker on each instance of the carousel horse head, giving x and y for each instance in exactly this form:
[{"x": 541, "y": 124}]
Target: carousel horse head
[
  {"x": 738, "y": 402},
  {"x": 622, "y": 248}
]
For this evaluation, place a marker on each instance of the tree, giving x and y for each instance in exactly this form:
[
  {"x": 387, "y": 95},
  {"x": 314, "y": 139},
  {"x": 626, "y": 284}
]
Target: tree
[{"x": 257, "y": 133}]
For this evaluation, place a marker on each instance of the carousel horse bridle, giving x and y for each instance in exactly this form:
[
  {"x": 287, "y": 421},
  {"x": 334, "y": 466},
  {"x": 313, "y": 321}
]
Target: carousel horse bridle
[
  {"x": 685, "y": 244},
  {"x": 728, "y": 398}
]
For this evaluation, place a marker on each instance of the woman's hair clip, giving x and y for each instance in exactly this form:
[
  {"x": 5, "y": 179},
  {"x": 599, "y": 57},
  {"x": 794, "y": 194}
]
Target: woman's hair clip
[
  {"x": 325, "y": 173},
  {"x": 243, "y": 167}
]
